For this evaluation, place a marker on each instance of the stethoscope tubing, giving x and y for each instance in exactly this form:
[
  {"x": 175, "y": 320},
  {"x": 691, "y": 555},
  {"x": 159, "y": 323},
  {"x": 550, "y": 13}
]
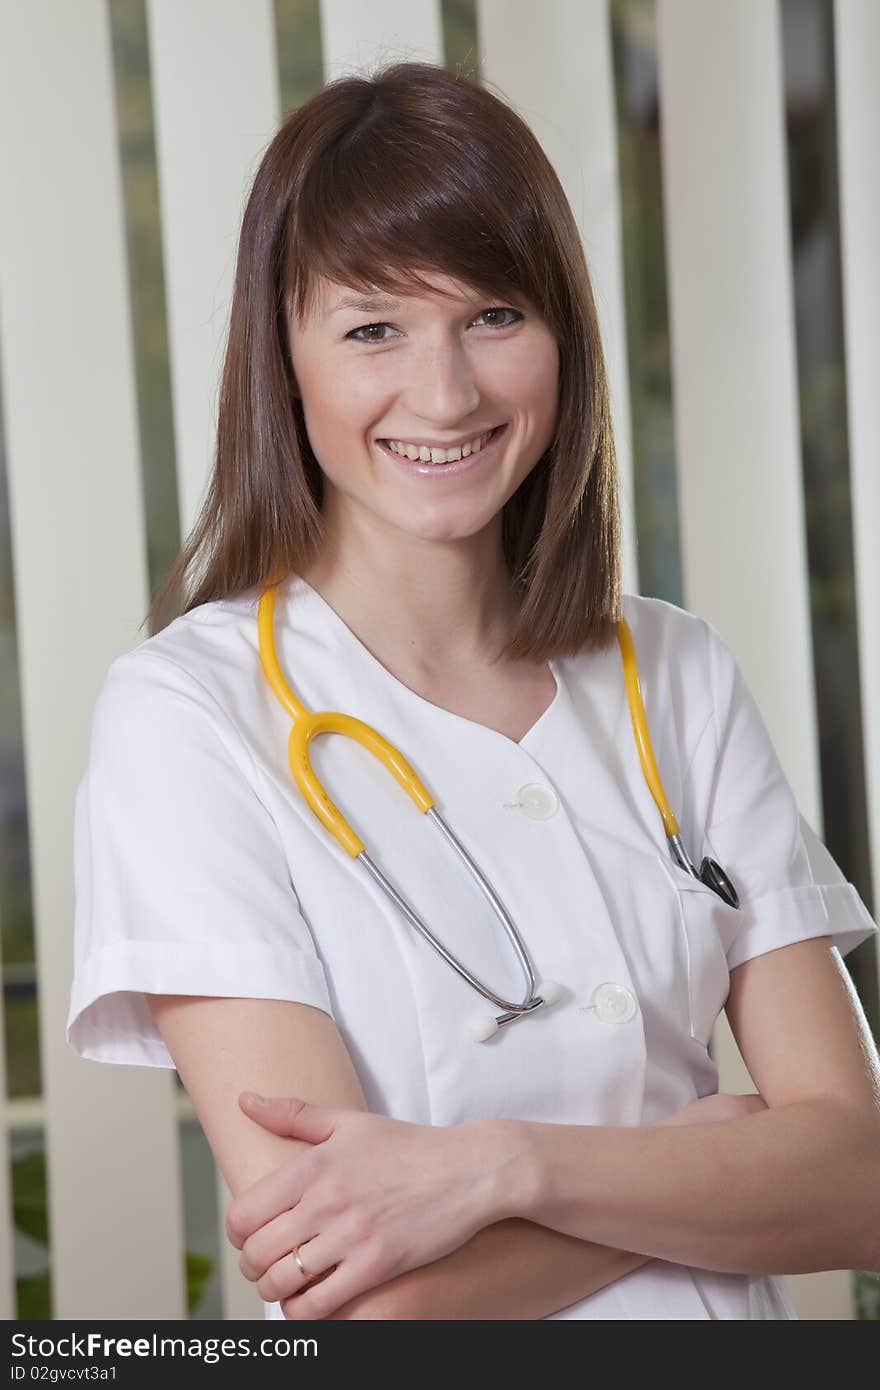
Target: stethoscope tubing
[
  {"x": 309, "y": 724},
  {"x": 530, "y": 1002}
]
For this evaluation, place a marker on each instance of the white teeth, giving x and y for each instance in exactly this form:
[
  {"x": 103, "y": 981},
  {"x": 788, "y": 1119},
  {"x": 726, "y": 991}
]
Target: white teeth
[{"x": 431, "y": 455}]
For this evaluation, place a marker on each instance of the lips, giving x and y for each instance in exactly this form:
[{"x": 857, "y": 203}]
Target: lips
[{"x": 423, "y": 468}]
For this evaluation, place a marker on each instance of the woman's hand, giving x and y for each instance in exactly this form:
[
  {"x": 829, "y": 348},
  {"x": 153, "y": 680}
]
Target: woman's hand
[{"x": 372, "y": 1198}]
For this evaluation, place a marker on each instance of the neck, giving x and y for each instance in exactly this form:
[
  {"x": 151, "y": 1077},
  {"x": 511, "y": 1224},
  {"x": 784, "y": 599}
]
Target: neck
[{"x": 422, "y": 604}]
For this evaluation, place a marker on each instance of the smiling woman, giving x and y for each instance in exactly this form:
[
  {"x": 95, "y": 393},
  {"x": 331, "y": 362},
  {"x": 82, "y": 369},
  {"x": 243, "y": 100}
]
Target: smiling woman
[
  {"x": 431, "y": 495},
  {"x": 384, "y": 200}
]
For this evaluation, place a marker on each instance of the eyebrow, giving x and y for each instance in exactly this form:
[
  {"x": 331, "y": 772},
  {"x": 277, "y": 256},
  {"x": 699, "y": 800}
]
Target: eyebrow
[{"x": 366, "y": 305}]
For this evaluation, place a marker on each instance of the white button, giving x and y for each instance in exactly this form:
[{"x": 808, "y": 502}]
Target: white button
[
  {"x": 613, "y": 1003},
  {"x": 538, "y": 802}
]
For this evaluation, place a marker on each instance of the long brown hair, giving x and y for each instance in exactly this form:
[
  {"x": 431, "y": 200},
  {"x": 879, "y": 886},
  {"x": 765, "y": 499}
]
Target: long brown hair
[{"x": 371, "y": 181}]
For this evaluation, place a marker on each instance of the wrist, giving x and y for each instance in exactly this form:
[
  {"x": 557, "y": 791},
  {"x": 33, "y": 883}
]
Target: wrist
[{"x": 508, "y": 1161}]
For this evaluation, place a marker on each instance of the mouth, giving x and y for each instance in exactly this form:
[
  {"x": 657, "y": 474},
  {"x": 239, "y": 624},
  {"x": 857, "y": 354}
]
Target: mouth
[{"x": 421, "y": 467}]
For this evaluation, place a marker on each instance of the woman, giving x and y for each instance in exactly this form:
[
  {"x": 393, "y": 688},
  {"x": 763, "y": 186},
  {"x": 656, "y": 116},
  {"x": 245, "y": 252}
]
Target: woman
[{"x": 410, "y": 279}]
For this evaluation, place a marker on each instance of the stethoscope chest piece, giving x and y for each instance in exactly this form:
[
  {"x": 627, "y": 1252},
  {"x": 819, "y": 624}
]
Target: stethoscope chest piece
[{"x": 712, "y": 874}]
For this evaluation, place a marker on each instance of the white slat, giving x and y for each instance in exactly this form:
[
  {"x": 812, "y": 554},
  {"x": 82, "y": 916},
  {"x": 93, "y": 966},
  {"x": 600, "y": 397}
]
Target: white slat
[
  {"x": 857, "y": 53},
  {"x": 356, "y": 37},
  {"x": 567, "y": 98},
  {"x": 217, "y": 105},
  {"x": 81, "y": 592},
  {"x": 736, "y": 401},
  {"x": 732, "y": 328}
]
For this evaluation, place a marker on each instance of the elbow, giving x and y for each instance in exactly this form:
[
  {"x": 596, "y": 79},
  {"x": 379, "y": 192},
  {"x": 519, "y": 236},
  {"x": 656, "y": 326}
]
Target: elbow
[
  {"x": 865, "y": 1191},
  {"x": 871, "y": 1262},
  {"x": 868, "y": 1252}
]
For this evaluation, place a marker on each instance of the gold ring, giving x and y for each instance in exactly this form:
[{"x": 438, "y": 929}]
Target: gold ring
[{"x": 301, "y": 1265}]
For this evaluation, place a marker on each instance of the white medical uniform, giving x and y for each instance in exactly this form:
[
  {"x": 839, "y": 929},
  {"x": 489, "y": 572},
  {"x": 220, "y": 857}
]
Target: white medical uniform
[{"x": 200, "y": 870}]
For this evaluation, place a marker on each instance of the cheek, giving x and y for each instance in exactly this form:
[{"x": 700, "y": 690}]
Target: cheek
[
  {"x": 345, "y": 405},
  {"x": 534, "y": 377},
  {"x": 546, "y": 375},
  {"x": 334, "y": 417}
]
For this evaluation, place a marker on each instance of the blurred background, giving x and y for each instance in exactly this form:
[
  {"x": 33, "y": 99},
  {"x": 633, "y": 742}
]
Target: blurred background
[{"x": 720, "y": 157}]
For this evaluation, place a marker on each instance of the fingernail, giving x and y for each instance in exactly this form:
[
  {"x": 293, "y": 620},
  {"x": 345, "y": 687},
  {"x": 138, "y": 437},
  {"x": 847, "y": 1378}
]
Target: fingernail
[{"x": 254, "y": 1098}]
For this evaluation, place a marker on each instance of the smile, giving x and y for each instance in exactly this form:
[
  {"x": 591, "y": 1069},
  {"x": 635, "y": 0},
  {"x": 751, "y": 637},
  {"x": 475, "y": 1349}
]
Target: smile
[{"x": 424, "y": 460}]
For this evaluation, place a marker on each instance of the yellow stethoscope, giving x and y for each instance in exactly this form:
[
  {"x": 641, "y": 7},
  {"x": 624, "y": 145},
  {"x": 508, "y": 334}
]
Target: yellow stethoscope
[{"x": 308, "y": 724}]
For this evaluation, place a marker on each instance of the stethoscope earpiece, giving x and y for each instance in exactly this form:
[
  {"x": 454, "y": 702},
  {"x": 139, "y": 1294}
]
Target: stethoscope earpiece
[
  {"x": 482, "y": 1028},
  {"x": 485, "y": 1026}
]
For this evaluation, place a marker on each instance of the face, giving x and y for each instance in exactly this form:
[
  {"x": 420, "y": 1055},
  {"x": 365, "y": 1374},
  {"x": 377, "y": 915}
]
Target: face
[{"x": 425, "y": 371}]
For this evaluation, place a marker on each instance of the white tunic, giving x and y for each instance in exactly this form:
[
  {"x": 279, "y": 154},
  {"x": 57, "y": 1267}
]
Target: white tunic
[{"x": 200, "y": 870}]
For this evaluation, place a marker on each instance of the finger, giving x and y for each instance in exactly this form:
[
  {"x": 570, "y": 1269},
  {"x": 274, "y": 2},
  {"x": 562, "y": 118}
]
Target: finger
[
  {"x": 271, "y": 1243},
  {"x": 350, "y": 1278},
  {"x": 269, "y": 1197},
  {"x": 290, "y": 1115},
  {"x": 285, "y": 1278}
]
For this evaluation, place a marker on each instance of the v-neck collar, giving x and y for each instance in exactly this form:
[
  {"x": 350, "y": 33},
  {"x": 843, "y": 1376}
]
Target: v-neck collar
[{"x": 351, "y": 640}]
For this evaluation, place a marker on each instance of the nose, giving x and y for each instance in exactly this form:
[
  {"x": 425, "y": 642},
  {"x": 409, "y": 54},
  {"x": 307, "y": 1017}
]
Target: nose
[{"x": 441, "y": 387}]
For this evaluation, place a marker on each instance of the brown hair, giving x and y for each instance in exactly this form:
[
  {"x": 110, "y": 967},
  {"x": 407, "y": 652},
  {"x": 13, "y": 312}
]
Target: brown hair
[{"x": 370, "y": 181}]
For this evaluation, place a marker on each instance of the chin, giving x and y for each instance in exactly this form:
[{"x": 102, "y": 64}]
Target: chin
[{"x": 437, "y": 530}]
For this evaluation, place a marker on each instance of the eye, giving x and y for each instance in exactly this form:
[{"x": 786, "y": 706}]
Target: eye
[
  {"x": 366, "y": 327},
  {"x": 505, "y": 310}
]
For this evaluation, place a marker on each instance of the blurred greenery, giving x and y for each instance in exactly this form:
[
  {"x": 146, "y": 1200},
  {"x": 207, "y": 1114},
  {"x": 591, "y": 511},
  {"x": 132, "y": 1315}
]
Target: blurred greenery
[
  {"x": 31, "y": 1218},
  {"x": 867, "y": 1296},
  {"x": 655, "y": 484},
  {"x": 146, "y": 283},
  {"x": 298, "y": 44},
  {"x": 29, "y": 1207},
  {"x": 23, "y": 1045},
  {"x": 17, "y": 915},
  {"x": 34, "y": 1297},
  {"x": 461, "y": 47},
  {"x": 199, "y": 1269}
]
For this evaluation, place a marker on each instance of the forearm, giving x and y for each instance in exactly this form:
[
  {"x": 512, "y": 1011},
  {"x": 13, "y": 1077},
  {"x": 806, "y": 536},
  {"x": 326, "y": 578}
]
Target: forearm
[
  {"x": 512, "y": 1269},
  {"x": 792, "y": 1189}
]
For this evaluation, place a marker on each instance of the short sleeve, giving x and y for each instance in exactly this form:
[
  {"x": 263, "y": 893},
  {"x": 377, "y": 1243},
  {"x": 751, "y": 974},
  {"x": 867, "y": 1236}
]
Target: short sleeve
[
  {"x": 789, "y": 886},
  {"x": 181, "y": 881}
]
